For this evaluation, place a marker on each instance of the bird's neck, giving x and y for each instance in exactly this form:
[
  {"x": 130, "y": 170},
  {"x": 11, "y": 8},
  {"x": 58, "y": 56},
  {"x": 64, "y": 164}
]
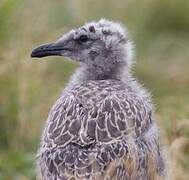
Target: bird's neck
[{"x": 87, "y": 73}]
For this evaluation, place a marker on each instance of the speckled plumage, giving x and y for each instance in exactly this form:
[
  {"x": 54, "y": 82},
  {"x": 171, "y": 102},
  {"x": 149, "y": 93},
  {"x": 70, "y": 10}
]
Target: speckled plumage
[{"x": 102, "y": 126}]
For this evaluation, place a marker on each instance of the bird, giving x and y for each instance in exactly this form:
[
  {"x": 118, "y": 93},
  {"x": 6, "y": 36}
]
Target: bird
[{"x": 102, "y": 126}]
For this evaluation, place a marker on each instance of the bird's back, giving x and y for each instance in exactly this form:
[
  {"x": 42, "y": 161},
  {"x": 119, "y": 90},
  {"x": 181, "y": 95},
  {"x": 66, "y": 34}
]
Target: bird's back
[{"x": 100, "y": 130}]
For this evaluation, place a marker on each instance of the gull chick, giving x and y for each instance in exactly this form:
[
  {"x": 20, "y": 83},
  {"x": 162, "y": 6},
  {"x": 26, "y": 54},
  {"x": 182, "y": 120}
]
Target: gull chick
[{"x": 102, "y": 126}]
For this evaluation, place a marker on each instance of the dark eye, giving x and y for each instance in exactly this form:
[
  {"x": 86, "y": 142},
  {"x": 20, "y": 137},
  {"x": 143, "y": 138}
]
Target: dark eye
[{"x": 83, "y": 38}]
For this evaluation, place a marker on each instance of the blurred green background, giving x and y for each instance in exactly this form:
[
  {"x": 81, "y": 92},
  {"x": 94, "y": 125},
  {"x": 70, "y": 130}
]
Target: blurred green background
[{"x": 28, "y": 88}]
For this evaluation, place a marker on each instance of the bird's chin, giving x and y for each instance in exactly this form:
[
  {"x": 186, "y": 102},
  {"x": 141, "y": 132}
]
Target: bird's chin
[{"x": 72, "y": 56}]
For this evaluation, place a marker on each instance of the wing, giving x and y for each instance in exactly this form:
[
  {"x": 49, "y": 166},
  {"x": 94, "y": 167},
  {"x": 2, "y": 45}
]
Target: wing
[
  {"x": 85, "y": 139},
  {"x": 72, "y": 120},
  {"x": 115, "y": 117}
]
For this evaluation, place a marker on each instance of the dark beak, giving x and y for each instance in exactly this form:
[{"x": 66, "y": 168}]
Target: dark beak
[{"x": 51, "y": 49}]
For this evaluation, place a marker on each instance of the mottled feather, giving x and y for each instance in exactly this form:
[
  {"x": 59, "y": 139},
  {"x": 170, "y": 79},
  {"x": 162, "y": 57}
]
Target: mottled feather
[{"x": 94, "y": 125}]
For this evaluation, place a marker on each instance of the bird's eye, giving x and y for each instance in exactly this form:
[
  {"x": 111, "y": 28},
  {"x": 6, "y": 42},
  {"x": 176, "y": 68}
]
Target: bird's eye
[{"x": 83, "y": 38}]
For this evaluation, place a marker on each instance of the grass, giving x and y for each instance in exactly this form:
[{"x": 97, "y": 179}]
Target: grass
[{"x": 29, "y": 88}]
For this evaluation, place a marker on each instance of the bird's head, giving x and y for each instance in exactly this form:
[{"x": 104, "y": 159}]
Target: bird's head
[{"x": 102, "y": 44}]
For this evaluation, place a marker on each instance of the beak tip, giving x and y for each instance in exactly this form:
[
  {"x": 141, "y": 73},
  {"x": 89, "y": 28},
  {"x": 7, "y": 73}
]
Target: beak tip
[{"x": 33, "y": 54}]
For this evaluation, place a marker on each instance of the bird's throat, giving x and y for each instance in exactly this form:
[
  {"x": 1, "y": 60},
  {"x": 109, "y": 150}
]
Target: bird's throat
[{"x": 85, "y": 73}]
